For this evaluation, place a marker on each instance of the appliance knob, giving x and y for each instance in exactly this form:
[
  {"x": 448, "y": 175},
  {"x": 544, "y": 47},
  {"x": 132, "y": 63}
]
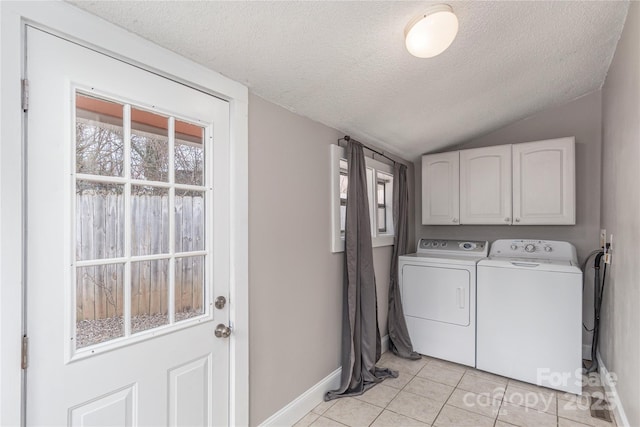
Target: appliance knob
[
  {"x": 530, "y": 247},
  {"x": 443, "y": 244},
  {"x": 514, "y": 247},
  {"x": 548, "y": 248}
]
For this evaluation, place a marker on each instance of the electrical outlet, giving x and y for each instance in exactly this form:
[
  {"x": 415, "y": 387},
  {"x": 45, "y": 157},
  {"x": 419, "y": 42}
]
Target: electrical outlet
[{"x": 603, "y": 238}]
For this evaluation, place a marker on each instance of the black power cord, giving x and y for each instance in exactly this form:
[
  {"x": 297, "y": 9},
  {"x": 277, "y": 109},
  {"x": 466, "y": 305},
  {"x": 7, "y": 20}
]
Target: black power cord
[
  {"x": 584, "y": 279},
  {"x": 598, "y": 292}
]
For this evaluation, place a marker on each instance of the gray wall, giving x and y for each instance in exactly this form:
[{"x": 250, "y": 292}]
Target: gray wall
[
  {"x": 295, "y": 282},
  {"x": 580, "y": 118},
  {"x": 620, "y": 336}
]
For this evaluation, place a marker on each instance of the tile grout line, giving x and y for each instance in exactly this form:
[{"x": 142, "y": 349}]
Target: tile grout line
[
  {"x": 467, "y": 370},
  {"x": 400, "y": 390},
  {"x": 449, "y": 397}
]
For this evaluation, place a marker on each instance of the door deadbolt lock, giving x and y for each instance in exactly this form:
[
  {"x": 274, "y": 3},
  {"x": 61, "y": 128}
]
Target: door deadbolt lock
[
  {"x": 222, "y": 331},
  {"x": 220, "y": 302}
]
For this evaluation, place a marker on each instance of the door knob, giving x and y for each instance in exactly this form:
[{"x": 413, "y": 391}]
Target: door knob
[
  {"x": 220, "y": 302},
  {"x": 222, "y": 331}
]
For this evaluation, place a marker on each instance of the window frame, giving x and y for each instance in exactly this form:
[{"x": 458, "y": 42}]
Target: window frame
[
  {"x": 387, "y": 181},
  {"x": 374, "y": 167},
  {"x": 129, "y": 336},
  {"x": 343, "y": 201}
]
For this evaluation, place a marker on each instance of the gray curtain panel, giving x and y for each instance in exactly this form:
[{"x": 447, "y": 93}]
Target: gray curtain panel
[
  {"x": 399, "y": 340},
  {"x": 360, "y": 333}
]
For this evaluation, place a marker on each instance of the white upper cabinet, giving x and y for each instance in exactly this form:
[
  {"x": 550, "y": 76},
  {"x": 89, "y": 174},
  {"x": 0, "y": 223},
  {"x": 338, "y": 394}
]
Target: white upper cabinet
[
  {"x": 485, "y": 185},
  {"x": 520, "y": 184},
  {"x": 440, "y": 189},
  {"x": 544, "y": 182}
]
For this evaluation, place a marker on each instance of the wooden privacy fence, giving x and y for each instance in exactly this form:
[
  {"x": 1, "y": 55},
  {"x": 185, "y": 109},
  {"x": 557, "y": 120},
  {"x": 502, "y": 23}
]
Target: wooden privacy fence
[{"x": 100, "y": 235}]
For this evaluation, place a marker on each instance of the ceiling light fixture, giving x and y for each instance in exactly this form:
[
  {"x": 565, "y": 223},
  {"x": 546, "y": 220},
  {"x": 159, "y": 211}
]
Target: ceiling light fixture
[{"x": 432, "y": 32}]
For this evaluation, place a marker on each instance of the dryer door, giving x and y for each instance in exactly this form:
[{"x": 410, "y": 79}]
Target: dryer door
[{"x": 436, "y": 293}]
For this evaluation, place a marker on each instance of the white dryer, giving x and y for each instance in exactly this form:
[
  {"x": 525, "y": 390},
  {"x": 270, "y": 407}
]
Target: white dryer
[
  {"x": 530, "y": 313},
  {"x": 438, "y": 288}
]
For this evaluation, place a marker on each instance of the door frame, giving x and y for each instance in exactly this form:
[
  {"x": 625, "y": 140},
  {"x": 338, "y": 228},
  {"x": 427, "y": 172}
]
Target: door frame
[{"x": 85, "y": 29}]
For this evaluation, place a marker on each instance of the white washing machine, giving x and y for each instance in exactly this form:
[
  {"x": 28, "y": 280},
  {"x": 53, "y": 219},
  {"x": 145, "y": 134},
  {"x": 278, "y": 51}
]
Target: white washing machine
[
  {"x": 438, "y": 288},
  {"x": 530, "y": 313}
]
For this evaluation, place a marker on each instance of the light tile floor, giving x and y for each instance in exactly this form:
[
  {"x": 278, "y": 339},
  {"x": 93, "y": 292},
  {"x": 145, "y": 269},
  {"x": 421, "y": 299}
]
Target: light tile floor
[{"x": 433, "y": 392}]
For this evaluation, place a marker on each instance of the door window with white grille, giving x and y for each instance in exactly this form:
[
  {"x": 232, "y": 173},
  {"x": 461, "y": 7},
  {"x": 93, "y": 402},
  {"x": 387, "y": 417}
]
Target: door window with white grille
[{"x": 141, "y": 219}]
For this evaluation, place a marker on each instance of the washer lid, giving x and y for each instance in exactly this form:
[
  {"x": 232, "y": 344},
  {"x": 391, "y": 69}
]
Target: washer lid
[{"x": 531, "y": 264}]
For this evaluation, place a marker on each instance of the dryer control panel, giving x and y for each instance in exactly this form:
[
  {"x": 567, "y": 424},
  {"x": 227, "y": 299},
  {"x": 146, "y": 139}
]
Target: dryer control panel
[
  {"x": 458, "y": 247},
  {"x": 532, "y": 248}
]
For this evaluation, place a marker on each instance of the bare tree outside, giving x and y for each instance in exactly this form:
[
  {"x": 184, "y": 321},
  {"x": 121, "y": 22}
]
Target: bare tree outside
[{"x": 100, "y": 221}]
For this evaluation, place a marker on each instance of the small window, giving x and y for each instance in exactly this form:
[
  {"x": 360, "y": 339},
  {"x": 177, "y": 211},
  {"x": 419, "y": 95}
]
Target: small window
[
  {"x": 382, "y": 207},
  {"x": 344, "y": 183},
  {"x": 384, "y": 212},
  {"x": 379, "y": 191}
]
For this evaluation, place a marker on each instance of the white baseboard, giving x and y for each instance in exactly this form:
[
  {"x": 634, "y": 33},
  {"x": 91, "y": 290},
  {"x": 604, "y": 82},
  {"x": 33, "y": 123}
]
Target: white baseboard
[
  {"x": 612, "y": 394},
  {"x": 586, "y": 351},
  {"x": 303, "y": 404}
]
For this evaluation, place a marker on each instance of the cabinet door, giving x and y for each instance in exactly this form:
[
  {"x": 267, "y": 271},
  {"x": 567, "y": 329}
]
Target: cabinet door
[
  {"x": 440, "y": 188},
  {"x": 544, "y": 182},
  {"x": 485, "y": 185}
]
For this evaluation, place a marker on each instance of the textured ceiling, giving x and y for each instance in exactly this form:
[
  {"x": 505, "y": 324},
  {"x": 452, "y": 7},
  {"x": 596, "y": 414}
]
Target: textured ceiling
[{"x": 344, "y": 64}]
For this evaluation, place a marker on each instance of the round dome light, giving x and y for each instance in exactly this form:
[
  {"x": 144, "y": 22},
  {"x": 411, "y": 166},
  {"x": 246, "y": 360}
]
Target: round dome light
[{"x": 432, "y": 32}]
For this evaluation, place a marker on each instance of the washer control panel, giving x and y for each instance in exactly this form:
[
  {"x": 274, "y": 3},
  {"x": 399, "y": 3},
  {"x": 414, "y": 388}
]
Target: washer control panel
[
  {"x": 530, "y": 248},
  {"x": 442, "y": 246}
]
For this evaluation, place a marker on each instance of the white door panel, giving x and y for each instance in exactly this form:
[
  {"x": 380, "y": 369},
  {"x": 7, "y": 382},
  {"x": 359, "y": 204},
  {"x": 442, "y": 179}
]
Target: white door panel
[
  {"x": 440, "y": 188},
  {"x": 174, "y": 371},
  {"x": 544, "y": 182},
  {"x": 485, "y": 185},
  {"x": 436, "y": 293}
]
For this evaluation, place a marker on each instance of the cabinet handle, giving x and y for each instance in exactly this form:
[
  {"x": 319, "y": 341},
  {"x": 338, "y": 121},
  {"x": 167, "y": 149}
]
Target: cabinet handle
[
  {"x": 507, "y": 219},
  {"x": 455, "y": 220},
  {"x": 517, "y": 219}
]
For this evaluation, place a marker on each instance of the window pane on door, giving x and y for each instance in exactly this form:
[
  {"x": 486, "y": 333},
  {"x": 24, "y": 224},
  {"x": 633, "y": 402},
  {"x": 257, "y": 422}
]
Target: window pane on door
[
  {"x": 99, "y": 304},
  {"x": 149, "y": 294},
  {"x": 189, "y": 220},
  {"x": 99, "y": 136},
  {"x": 99, "y": 220},
  {"x": 149, "y": 146},
  {"x": 189, "y": 154},
  {"x": 128, "y": 218},
  {"x": 189, "y": 287},
  {"x": 149, "y": 220}
]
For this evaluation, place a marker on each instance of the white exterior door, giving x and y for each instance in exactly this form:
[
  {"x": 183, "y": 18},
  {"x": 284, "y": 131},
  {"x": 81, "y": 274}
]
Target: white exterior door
[
  {"x": 485, "y": 185},
  {"x": 544, "y": 189},
  {"x": 440, "y": 189},
  {"x": 127, "y": 186}
]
